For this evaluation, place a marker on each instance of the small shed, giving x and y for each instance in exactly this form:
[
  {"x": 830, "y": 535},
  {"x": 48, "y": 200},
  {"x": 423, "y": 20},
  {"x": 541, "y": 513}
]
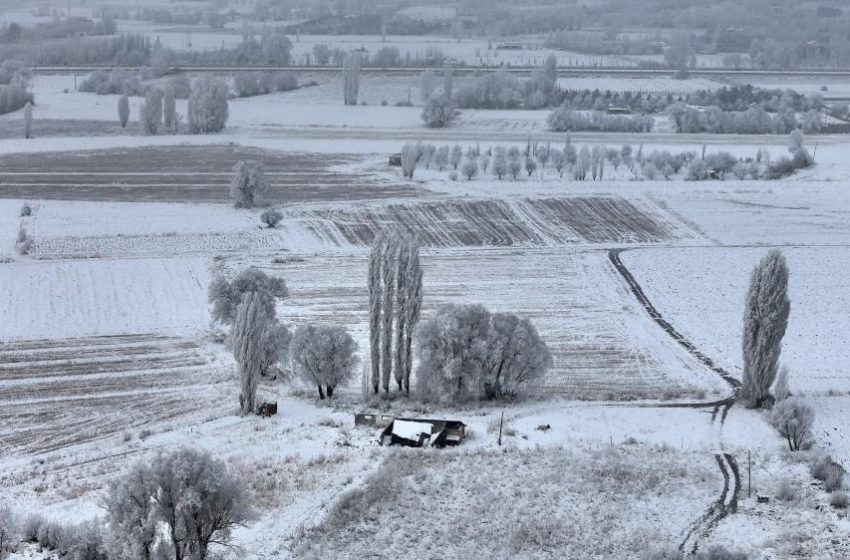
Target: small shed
[
  {"x": 395, "y": 160},
  {"x": 418, "y": 432}
]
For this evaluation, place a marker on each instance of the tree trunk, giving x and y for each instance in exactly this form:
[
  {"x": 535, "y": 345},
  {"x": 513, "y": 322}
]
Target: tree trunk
[
  {"x": 330, "y": 391},
  {"x": 321, "y": 392}
]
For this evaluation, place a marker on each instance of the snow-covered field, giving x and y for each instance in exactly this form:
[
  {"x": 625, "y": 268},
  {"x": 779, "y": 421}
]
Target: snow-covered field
[{"x": 107, "y": 354}]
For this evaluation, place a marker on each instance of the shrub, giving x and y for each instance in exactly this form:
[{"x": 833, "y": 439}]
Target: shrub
[
  {"x": 26, "y": 210},
  {"x": 208, "y": 109},
  {"x": 782, "y": 167},
  {"x": 793, "y": 419},
  {"x": 785, "y": 490},
  {"x": 8, "y": 532},
  {"x": 30, "y": 527},
  {"x": 24, "y": 242},
  {"x": 839, "y": 500},
  {"x": 565, "y": 120},
  {"x": 271, "y": 217},
  {"x": 827, "y": 471},
  {"x": 698, "y": 170},
  {"x": 439, "y": 112},
  {"x": 721, "y": 553}
]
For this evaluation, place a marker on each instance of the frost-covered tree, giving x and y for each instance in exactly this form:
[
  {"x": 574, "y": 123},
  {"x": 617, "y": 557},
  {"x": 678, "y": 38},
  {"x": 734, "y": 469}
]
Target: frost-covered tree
[
  {"x": 469, "y": 169},
  {"x": 248, "y": 337},
  {"x": 448, "y": 80},
  {"x": 131, "y": 511},
  {"x": 426, "y": 85},
  {"x": 408, "y": 308},
  {"x": 582, "y": 165},
  {"x": 455, "y": 156},
  {"x": 207, "y": 108},
  {"x": 530, "y": 166},
  {"x": 451, "y": 348},
  {"x": 395, "y": 299},
  {"x": 467, "y": 353},
  {"x": 514, "y": 167},
  {"x": 765, "y": 320},
  {"x": 199, "y": 502},
  {"x": 249, "y": 184},
  {"x": 500, "y": 164},
  {"x": 514, "y": 356},
  {"x": 324, "y": 356},
  {"x": 123, "y": 110},
  {"x": 169, "y": 110},
  {"x": 781, "y": 387},
  {"x": 271, "y": 217},
  {"x": 439, "y": 112},
  {"x": 793, "y": 419},
  {"x": 375, "y": 303},
  {"x": 558, "y": 161},
  {"x": 226, "y": 296},
  {"x": 275, "y": 342},
  {"x": 151, "y": 112},
  {"x": 441, "y": 157},
  {"x": 351, "y": 78},
  {"x": 411, "y": 153},
  {"x": 389, "y": 270},
  {"x": 28, "y": 120}
]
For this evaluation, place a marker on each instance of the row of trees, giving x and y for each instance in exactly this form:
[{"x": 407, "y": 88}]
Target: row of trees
[
  {"x": 207, "y": 109},
  {"x": 755, "y": 120},
  {"x": 564, "y": 119},
  {"x": 395, "y": 302}
]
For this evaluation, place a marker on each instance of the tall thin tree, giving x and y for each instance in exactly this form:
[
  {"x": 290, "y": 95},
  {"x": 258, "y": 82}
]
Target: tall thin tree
[
  {"x": 375, "y": 301},
  {"x": 252, "y": 320},
  {"x": 765, "y": 320},
  {"x": 412, "y": 307},
  {"x": 389, "y": 269}
]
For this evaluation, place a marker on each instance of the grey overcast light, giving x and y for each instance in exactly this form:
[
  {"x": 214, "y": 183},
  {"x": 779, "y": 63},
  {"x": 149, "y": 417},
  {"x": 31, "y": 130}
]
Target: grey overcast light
[{"x": 424, "y": 279}]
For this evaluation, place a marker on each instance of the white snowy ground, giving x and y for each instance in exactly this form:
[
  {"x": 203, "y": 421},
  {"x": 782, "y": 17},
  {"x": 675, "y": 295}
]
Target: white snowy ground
[{"x": 149, "y": 265}]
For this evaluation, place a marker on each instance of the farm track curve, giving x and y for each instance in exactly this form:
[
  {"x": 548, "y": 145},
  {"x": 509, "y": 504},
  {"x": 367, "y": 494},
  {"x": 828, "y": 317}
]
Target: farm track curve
[{"x": 727, "y": 502}]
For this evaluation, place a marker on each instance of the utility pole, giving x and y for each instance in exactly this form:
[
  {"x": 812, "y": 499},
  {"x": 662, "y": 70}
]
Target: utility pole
[
  {"x": 501, "y": 421},
  {"x": 749, "y": 474}
]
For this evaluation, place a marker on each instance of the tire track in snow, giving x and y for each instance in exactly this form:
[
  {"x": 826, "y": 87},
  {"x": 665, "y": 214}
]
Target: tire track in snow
[{"x": 727, "y": 502}]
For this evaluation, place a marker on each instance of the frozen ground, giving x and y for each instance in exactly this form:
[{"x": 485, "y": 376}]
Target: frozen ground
[{"x": 110, "y": 358}]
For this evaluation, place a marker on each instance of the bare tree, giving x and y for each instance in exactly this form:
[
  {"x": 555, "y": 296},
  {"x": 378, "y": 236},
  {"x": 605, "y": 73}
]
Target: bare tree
[
  {"x": 324, "y": 356},
  {"x": 765, "y": 320},
  {"x": 249, "y": 184},
  {"x": 249, "y": 332}
]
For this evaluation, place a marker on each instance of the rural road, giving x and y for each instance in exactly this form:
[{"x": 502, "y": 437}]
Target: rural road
[{"x": 727, "y": 502}]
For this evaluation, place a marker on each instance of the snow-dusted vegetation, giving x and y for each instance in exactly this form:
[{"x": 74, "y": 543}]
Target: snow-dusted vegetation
[{"x": 335, "y": 280}]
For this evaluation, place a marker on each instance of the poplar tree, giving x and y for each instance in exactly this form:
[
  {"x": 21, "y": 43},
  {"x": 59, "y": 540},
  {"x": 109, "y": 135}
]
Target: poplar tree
[{"x": 765, "y": 320}]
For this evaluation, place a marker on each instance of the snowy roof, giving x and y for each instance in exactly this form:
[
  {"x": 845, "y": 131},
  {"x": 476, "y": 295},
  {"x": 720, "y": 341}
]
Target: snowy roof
[{"x": 407, "y": 429}]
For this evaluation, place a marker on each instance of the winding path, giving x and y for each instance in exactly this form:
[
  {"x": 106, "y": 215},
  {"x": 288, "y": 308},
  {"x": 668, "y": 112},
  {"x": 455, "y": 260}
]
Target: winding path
[{"x": 727, "y": 502}]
